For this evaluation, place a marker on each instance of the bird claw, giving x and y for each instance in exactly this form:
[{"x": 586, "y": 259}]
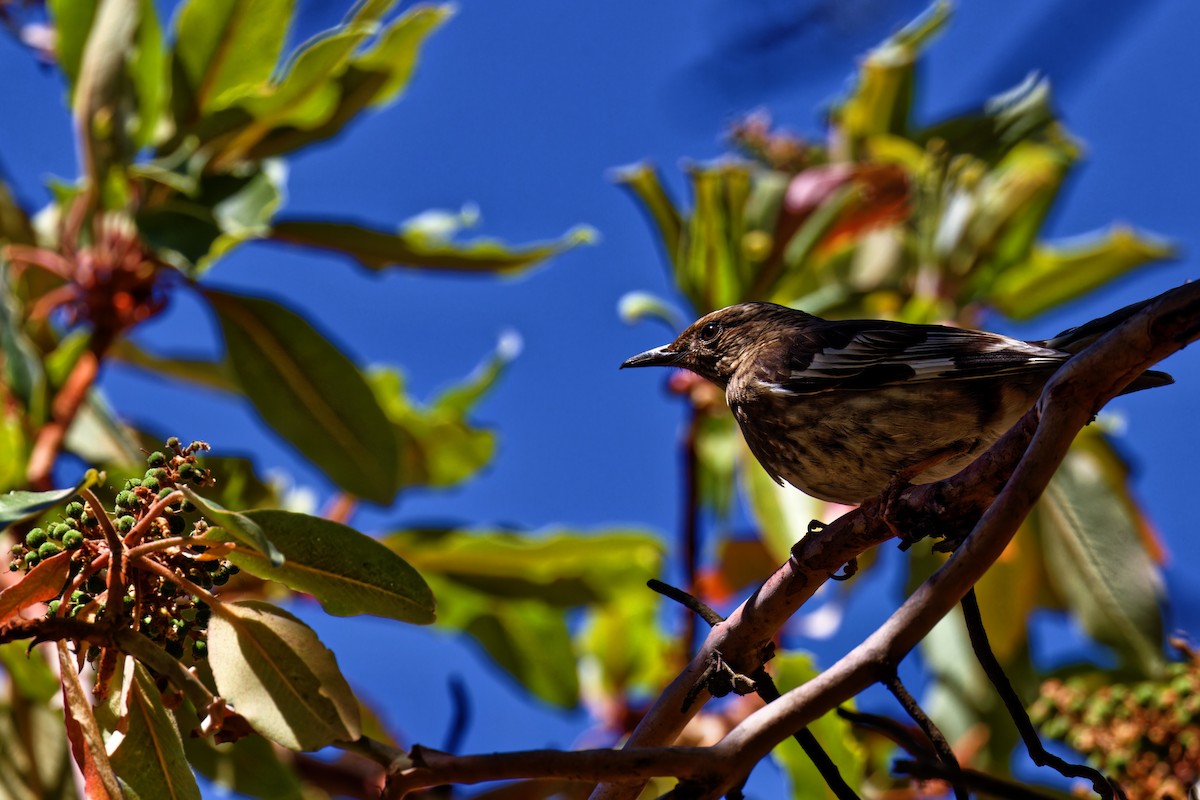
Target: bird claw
[{"x": 849, "y": 570}]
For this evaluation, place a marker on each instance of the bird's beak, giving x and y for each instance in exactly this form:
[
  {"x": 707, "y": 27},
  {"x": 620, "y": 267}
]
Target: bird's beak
[{"x": 658, "y": 357}]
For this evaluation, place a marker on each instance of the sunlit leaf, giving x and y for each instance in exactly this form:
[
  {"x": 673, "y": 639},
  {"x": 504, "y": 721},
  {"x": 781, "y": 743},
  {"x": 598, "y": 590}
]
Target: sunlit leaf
[
  {"x": 349, "y": 572},
  {"x": 98, "y": 437},
  {"x": 636, "y": 306},
  {"x": 250, "y": 766},
  {"x": 226, "y": 49},
  {"x": 881, "y": 100},
  {"x": 1005, "y": 120},
  {"x": 563, "y": 569},
  {"x": 278, "y": 675},
  {"x": 149, "y": 757},
  {"x": 644, "y": 182},
  {"x": 100, "y": 101},
  {"x": 378, "y": 249},
  {"x": 783, "y": 513},
  {"x": 238, "y": 527},
  {"x": 148, "y": 71},
  {"x": 1101, "y": 567},
  {"x": 624, "y": 638},
  {"x": 832, "y": 732},
  {"x": 42, "y": 583},
  {"x": 527, "y": 638},
  {"x": 23, "y": 373},
  {"x": 72, "y": 23},
  {"x": 19, "y": 505},
  {"x": 1055, "y": 274},
  {"x": 309, "y": 392}
]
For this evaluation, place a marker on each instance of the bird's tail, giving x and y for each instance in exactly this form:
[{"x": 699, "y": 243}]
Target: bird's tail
[{"x": 1077, "y": 339}]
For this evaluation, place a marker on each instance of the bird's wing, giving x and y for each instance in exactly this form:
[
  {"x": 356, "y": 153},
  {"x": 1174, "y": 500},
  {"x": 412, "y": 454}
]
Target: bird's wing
[{"x": 868, "y": 355}]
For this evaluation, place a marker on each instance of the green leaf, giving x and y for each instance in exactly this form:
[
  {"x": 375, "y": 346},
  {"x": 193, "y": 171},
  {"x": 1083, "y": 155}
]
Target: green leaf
[
  {"x": 275, "y": 671},
  {"x": 636, "y": 306},
  {"x": 527, "y": 638},
  {"x": 565, "y": 568},
  {"x": 191, "y": 232},
  {"x": 35, "y": 762},
  {"x": 148, "y": 71},
  {"x": 227, "y": 49},
  {"x": 645, "y": 184},
  {"x": 239, "y": 485},
  {"x": 72, "y": 24},
  {"x": 882, "y": 99},
  {"x": 438, "y": 446},
  {"x": 624, "y": 638},
  {"x": 1056, "y": 274},
  {"x": 834, "y": 734},
  {"x": 349, "y": 572},
  {"x": 23, "y": 373},
  {"x": 101, "y": 103},
  {"x": 1007, "y": 119},
  {"x": 149, "y": 757},
  {"x": 16, "y": 506},
  {"x": 98, "y": 437},
  {"x": 378, "y": 249},
  {"x": 310, "y": 393},
  {"x": 249, "y": 767},
  {"x": 238, "y": 527},
  {"x": 396, "y": 53},
  {"x": 202, "y": 372},
  {"x": 1091, "y": 531},
  {"x": 29, "y": 672},
  {"x": 783, "y": 513},
  {"x": 15, "y": 225},
  {"x": 371, "y": 78}
]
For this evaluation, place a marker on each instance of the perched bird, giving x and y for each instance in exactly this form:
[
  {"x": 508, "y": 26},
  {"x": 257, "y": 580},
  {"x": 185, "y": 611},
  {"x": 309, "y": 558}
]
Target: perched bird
[{"x": 844, "y": 410}]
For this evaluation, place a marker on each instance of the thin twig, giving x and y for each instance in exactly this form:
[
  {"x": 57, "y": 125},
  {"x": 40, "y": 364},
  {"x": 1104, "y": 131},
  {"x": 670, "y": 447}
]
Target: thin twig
[
  {"x": 941, "y": 747},
  {"x": 115, "y": 606},
  {"x": 1102, "y": 785},
  {"x": 807, "y": 740},
  {"x": 688, "y": 601},
  {"x": 690, "y": 531}
]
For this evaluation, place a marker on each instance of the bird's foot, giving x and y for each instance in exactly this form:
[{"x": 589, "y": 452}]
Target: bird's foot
[{"x": 849, "y": 569}]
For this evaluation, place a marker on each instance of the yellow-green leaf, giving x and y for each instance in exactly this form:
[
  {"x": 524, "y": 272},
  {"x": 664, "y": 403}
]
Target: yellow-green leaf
[{"x": 275, "y": 671}]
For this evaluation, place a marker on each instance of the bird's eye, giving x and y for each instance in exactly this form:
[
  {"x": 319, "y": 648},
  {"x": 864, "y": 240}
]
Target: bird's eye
[{"x": 710, "y": 331}]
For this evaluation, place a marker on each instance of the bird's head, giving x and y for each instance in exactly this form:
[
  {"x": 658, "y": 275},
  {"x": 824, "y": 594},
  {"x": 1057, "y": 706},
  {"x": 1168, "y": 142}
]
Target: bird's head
[{"x": 714, "y": 345}]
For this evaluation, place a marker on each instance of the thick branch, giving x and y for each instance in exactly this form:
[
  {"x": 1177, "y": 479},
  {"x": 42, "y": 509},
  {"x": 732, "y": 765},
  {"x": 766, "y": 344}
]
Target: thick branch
[{"x": 1070, "y": 400}]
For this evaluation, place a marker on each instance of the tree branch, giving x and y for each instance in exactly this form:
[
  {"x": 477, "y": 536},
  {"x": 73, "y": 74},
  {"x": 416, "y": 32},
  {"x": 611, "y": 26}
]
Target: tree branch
[{"x": 1067, "y": 404}]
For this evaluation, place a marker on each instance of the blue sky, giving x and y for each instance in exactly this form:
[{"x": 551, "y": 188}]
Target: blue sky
[{"x": 523, "y": 107}]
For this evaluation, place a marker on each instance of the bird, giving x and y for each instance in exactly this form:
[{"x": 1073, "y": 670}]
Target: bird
[{"x": 847, "y": 410}]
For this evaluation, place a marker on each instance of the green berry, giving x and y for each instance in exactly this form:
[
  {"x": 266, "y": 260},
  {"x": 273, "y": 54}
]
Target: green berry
[
  {"x": 187, "y": 471},
  {"x": 32, "y": 559},
  {"x": 79, "y": 596},
  {"x": 35, "y": 538},
  {"x": 163, "y": 492},
  {"x": 93, "y": 653},
  {"x": 126, "y": 499},
  {"x": 75, "y": 509},
  {"x": 199, "y": 649},
  {"x": 73, "y": 523},
  {"x": 176, "y": 524},
  {"x": 233, "y": 569},
  {"x": 188, "y": 506},
  {"x": 72, "y": 540},
  {"x": 58, "y": 531},
  {"x": 156, "y": 459},
  {"x": 220, "y": 577},
  {"x": 52, "y": 606},
  {"x": 13, "y": 566},
  {"x": 49, "y": 550},
  {"x": 173, "y": 442},
  {"x": 125, "y": 524},
  {"x": 151, "y": 484}
]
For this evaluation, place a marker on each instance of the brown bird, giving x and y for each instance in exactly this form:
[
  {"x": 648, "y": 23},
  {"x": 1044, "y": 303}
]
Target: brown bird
[{"x": 844, "y": 410}]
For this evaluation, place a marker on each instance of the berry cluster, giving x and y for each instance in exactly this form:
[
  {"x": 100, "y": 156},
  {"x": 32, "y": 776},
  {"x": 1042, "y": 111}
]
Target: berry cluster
[
  {"x": 146, "y": 511},
  {"x": 1145, "y": 735}
]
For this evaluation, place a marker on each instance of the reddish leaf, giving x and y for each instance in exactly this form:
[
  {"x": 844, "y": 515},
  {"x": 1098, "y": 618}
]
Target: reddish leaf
[
  {"x": 87, "y": 742},
  {"x": 43, "y": 582}
]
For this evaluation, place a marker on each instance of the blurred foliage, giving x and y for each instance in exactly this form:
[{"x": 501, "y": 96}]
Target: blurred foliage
[
  {"x": 183, "y": 132},
  {"x": 894, "y": 217}
]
